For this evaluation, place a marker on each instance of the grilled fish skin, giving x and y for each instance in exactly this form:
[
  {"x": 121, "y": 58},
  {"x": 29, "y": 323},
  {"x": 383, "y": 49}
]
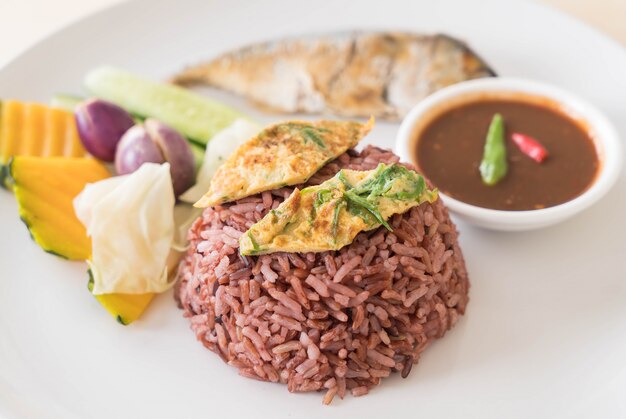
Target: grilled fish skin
[{"x": 359, "y": 74}]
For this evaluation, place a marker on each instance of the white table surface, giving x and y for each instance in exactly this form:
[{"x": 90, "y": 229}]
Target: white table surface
[{"x": 24, "y": 22}]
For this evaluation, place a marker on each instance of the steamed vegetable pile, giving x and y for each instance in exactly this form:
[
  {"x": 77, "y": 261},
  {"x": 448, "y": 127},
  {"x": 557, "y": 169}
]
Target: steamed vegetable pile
[{"x": 90, "y": 175}]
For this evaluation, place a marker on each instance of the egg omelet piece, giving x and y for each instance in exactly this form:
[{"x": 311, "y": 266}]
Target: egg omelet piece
[
  {"x": 330, "y": 215},
  {"x": 284, "y": 154}
]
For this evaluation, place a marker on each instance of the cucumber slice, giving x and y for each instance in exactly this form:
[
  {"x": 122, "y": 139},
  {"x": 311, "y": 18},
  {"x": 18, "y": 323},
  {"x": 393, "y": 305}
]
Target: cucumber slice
[
  {"x": 66, "y": 101},
  {"x": 194, "y": 116},
  {"x": 198, "y": 154}
]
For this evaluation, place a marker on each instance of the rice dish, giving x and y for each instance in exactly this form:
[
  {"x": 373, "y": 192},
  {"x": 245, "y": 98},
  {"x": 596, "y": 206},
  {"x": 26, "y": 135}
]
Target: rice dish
[{"x": 336, "y": 321}]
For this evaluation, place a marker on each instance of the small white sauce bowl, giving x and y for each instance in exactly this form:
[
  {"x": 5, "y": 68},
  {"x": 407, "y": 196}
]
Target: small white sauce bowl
[{"x": 601, "y": 130}]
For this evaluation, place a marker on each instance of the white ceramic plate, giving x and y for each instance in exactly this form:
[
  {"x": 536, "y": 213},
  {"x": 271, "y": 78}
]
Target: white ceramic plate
[{"x": 545, "y": 332}]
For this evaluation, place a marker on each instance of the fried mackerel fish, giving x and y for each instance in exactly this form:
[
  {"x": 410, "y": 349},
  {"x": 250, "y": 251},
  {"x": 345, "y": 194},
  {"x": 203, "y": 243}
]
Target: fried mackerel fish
[
  {"x": 281, "y": 155},
  {"x": 349, "y": 73},
  {"x": 330, "y": 215}
]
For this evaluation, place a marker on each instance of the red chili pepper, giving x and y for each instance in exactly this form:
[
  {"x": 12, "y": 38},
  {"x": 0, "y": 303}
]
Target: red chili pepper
[{"x": 529, "y": 146}]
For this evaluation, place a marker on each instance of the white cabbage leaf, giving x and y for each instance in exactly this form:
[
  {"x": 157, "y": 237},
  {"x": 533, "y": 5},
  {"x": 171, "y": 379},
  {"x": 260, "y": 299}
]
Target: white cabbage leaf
[{"x": 130, "y": 220}]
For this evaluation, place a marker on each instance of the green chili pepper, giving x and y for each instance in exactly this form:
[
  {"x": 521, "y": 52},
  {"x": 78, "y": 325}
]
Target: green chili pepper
[{"x": 493, "y": 166}]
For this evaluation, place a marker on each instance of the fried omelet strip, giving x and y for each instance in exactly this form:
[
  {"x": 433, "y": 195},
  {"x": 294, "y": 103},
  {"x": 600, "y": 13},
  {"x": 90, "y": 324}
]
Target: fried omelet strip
[
  {"x": 284, "y": 154},
  {"x": 330, "y": 215}
]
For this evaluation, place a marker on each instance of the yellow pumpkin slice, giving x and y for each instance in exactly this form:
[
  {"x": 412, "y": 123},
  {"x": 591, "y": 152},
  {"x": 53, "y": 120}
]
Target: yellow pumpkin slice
[
  {"x": 125, "y": 308},
  {"x": 44, "y": 189},
  {"x": 33, "y": 129}
]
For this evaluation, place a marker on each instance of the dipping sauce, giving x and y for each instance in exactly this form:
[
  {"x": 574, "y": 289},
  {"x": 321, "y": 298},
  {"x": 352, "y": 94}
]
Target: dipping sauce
[{"x": 449, "y": 150}]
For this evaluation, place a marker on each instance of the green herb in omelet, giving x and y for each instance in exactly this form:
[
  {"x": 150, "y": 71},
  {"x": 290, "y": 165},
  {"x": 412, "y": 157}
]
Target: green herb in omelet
[
  {"x": 338, "y": 206},
  {"x": 255, "y": 246},
  {"x": 308, "y": 132}
]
